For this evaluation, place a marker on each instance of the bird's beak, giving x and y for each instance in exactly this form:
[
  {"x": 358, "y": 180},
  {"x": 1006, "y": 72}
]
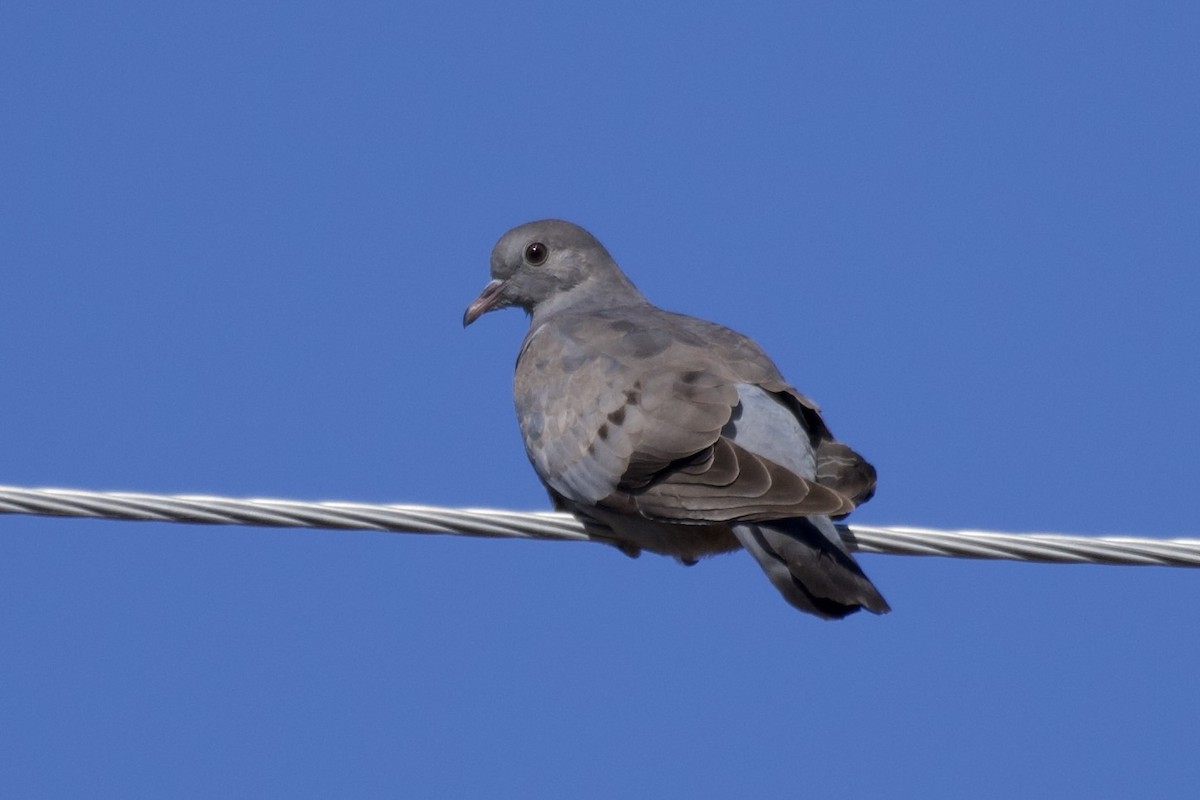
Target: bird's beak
[{"x": 485, "y": 302}]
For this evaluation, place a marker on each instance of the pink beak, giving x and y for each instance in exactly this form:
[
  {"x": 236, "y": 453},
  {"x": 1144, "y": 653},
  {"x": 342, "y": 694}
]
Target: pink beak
[{"x": 484, "y": 303}]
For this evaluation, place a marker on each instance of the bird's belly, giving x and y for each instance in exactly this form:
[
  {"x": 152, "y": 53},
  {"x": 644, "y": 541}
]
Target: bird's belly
[{"x": 687, "y": 542}]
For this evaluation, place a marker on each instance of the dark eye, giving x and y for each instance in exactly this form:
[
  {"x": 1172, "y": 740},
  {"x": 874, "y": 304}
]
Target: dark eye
[{"x": 536, "y": 253}]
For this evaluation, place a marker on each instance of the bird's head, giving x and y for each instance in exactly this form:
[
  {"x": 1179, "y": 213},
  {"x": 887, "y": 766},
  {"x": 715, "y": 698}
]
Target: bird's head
[{"x": 547, "y": 265}]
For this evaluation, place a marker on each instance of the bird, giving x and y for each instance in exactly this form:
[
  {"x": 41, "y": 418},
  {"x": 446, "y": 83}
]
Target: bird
[{"x": 671, "y": 434}]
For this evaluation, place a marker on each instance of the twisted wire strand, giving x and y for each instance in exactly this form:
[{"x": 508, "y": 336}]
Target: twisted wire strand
[{"x": 404, "y": 518}]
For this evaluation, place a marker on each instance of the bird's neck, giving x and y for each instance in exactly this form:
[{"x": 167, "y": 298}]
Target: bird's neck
[{"x": 588, "y": 295}]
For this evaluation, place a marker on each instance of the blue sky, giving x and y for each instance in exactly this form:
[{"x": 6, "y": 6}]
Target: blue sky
[{"x": 237, "y": 243}]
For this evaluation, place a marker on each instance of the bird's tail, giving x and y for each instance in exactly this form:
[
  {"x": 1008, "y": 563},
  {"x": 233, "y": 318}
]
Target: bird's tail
[{"x": 808, "y": 563}]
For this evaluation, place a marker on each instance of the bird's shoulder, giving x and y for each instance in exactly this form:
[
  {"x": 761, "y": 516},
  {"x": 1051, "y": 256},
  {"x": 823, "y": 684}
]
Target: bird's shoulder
[{"x": 643, "y": 338}]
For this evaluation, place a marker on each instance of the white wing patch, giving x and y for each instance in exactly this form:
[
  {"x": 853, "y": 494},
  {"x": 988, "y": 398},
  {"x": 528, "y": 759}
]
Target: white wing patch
[{"x": 768, "y": 428}]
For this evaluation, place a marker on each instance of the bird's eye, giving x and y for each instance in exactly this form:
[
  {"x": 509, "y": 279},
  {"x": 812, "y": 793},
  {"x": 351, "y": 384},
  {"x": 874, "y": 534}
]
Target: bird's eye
[{"x": 536, "y": 253}]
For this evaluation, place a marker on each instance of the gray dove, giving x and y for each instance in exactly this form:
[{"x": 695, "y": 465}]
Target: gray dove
[{"x": 667, "y": 433}]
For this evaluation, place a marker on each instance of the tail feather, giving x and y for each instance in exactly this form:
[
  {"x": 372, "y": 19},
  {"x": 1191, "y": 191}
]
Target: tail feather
[{"x": 805, "y": 558}]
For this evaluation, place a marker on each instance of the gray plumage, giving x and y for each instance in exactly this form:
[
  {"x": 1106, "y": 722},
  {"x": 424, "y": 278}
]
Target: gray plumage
[{"x": 668, "y": 433}]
